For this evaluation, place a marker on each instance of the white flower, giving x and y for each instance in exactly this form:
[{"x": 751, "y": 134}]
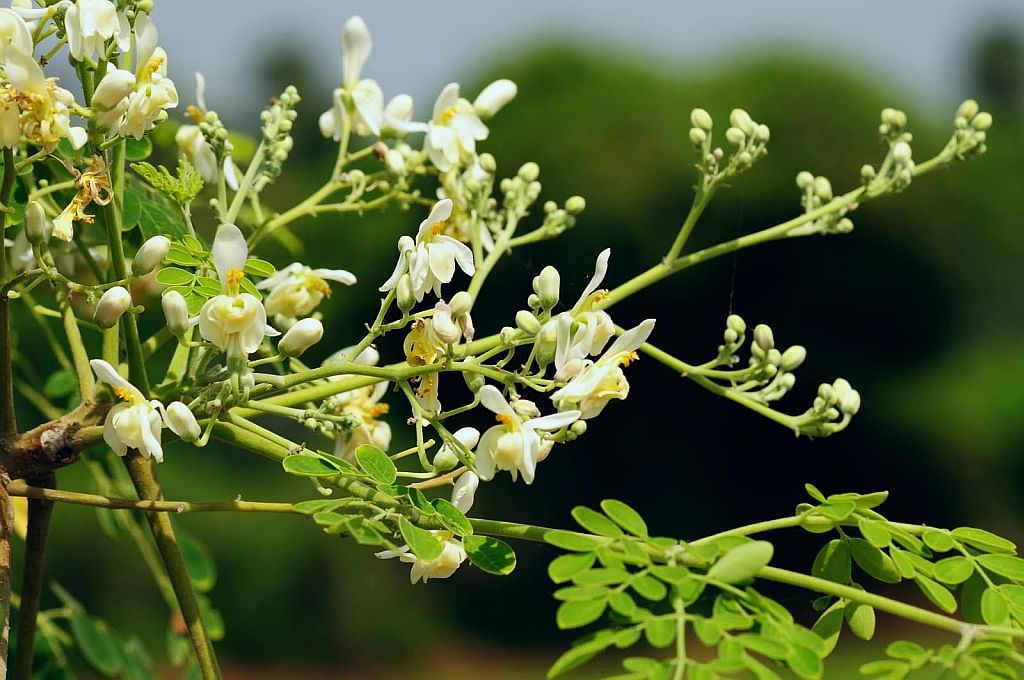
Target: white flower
[
  {"x": 193, "y": 144},
  {"x": 154, "y": 91},
  {"x": 453, "y": 553},
  {"x": 110, "y": 100},
  {"x": 494, "y": 97},
  {"x": 454, "y": 129},
  {"x": 515, "y": 444},
  {"x": 14, "y": 32},
  {"x": 362, "y": 403},
  {"x": 136, "y": 422},
  {"x": 430, "y": 260},
  {"x": 297, "y": 289},
  {"x": 600, "y": 381},
  {"x": 90, "y": 24},
  {"x": 45, "y": 108},
  {"x": 301, "y": 337},
  {"x": 182, "y": 421},
  {"x": 112, "y": 305},
  {"x": 235, "y": 322}
]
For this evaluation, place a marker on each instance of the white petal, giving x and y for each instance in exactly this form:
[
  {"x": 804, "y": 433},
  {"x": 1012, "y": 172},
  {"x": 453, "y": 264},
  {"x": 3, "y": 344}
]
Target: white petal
[
  {"x": 554, "y": 421},
  {"x": 369, "y": 102},
  {"x": 24, "y": 72},
  {"x": 494, "y": 97},
  {"x": 145, "y": 41},
  {"x": 492, "y": 399},
  {"x": 229, "y": 251},
  {"x": 108, "y": 374},
  {"x": 200, "y": 91},
  {"x": 464, "y": 491},
  {"x": 442, "y": 261},
  {"x": 356, "y": 44},
  {"x": 449, "y": 95},
  {"x": 339, "y": 275},
  {"x": 600, "y": 270},
  {"x": 463, "y": 255},
  {"x": 280, "y": 276},
  {"x": 78, "y": 136},
  {"x": 484, "y": 457},
  {"x": 441, "y": 211},
  {"x": 631, "y": 339}
]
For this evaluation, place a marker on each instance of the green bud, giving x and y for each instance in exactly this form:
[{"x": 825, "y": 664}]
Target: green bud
[
  {"x": 774, "y": 357},
  {"x": 969, "y": 109},
  {"x": 487, "y": 163},
  {"x": 507, "y": 335},
  {"x": 741, "y": 119},
  {"x": 574, "y": 205},
  {"x": 735, "y": 322},
  {"x": 804, "y": 179},
  {"x": 527, "y": 322},
  {"x": 735, "y": 136},
  {"x": 533, "y": 301},
  {"x": 763, "y": 133},
  {"x": 698, "y": 136},
  {"x": 461, "y": 304},
  {"x": 983, "y": 121},
  {"x": 730, "y": 336},
  {"x": 474, "y": 381},
  {"x": 901, "y": 153},
  {"x": 529, "y": 172},
  {"x": 844, "y": 226},
  {"x": 578, "y": 428},
  {"x": 763, "y": 336},
  {"x": 37, "y": 225},
  {"x": 445, "y": 459},
  {"x": 867, "y": 172},
  {"x": 701, "y": 119},
  {"x": 850, "y": 403},
  {"x": 547, "y": 285},
  {"x": 550, "y": 207},
  {"x": 404, "y": 294},
  {"x": 792, "y": 358},
  {"x": 823, "y": 188},
  {"x": 744, "y": 158}
]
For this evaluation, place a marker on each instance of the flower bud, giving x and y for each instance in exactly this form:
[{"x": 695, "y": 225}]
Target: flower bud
[
  {"x": 527, "y": 322},
  {"x": 983, "y": 121},
  {"x": 462, "y": 303},
  {"x": 399, "y": 109},
  {"x": 735, "y": 136},
  {"x": 494, "y": 97},
  {"x": 901, "y": 153},
  {"x": 474, "y": 381},
  {"x": 182, "y": 421},
  {"x": 150, "y": 254},
  {"x": 823, "y": 188},
  {"x": 404, "y": 293},
  {"x": 578, "y": 428},
  {"x": 444, "y": 327},
  {"x": 741, "y": 119},
  {"x": 736, "y": 323},
  {"x": 969, "y": 109},
  {"x": 115, "y": 86},
  {"x": 507, "y": 335},
  {"x": 112, "y": 305},
  {"x": 763, "y": 336},
  {"x": 574, "y": 205},
  {"x": 176, "y": 313},
  {"x": 445, "y": 459},
  {"x": 701, "y": 119},
  {"x": 804, "y": 179},
  {"x": 547, "y": 285},
  {"x": 698, "y": 136},
  {"x": 792, "y": 358},
  {"x": 850, "y": 403},
  {"x": 529, "y": 172},
  {"x": 487, "y": 163},
  {"x": 300, "y": 337},
  {"x": 37, "y": 225},
  {"x": 763, "y": 133},
  {"x": 867, "y": 172}
]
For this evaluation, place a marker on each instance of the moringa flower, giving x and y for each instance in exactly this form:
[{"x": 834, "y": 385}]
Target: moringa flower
[
  {"x": 598, "y": 382},
  {"x": 154, "y": 92},
  {"x": 90, "y": 24},
  {"x": 362, "y": 403},
  {"x": 45, "y": 107},
  {"x": 133, "y": 424},
  {"x": 515, "y": 444},
  {"x": 430, "y": 260},
  {"x": 453, "y": 131},
  {"x": 297, "y": 289}
]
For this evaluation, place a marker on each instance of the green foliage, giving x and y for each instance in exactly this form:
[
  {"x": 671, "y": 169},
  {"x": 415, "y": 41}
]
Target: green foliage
[
  {"x": 181, "y": 189},
  {"x": 376, "y": 464}
]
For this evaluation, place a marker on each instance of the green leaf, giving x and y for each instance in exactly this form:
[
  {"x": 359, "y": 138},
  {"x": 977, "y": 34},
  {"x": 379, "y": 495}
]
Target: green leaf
[
  {"x": 742, "y": 562},
  {"x": 580, "y": 593},
  {"x": 837, "y": 510},
  {"x": 452, "y": 518},
  {"x": 867, "y": 501},
  {"x": 805, "y": 663},
  {"x": 814, "y": 493},
  {"x": 904, "y": 649},
  {"x": 316, "y": 505},
  {"x": 874, "y": 532},
  {"x": 421, "y": 542},
  {"x": 260, "y": 268},
  {"x": 308, "y": 465},
  {"x": 660, "y": 632},
  {"x": 984, "y": 540},
  {"x": 137, "y": 149},
  {"x": 568, "y": 540},
  {"x": 181, "y": 189},
  {"x": 490, "y": 555},
  {"x": 97, "y": 644},
  {"x": 621, "y": 602},
  {"x": 649, "y": 588},
  {"x": 580, "y": 613},
  {"x": 60, "y": 384},
  {"x": 625, "y": 516},
  {"x": 994, "y": 608},
  {"x": 861, "y": 619},
  {"x": 904, "y": 563},
  {"x": 772, "y": 649},
  {"x": 602, "y": 577},
  {"x": 198, "y": 562},
  {"x": 673, "y": 574},
  {"x": 564, "y": 567},
  {"x": 179, "y": 254},
  {"x": 833, "y": 562},
  {"x": 938, "y": 594},
  {"x": 1010, "y": 566},
  {"x": 211, "y": 617},
  {"x": 359, "y": 528},
  {"x": 578, "y": 655},
  {"x": 877, "y": 564},
  {"x": 595, "y": 522},
  {"x": 173, "y": 276},
  {"x": 829, "y": 625},
  {"x": 953, "y": 570},
  {"x": 707, "y": 631},
  {"x": 938, "y": 540},
  {"x": 157, "y": 213}
]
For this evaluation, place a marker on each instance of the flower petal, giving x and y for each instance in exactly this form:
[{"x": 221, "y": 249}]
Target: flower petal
[
  {"x": 108, "y": 374},
  {"x": 449, "y": 95},
  {"x": 631, "y": 339},
  {"x": 600, "y": 269},
  {"x": 229, "y": 251},
  {"x": 494, "y": 401},
  {"x": 553, "y": 421}
]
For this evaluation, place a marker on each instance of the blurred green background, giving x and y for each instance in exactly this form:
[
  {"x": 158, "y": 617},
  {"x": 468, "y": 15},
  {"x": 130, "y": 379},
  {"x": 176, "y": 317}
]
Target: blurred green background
[{"x": 920, "y": 308}]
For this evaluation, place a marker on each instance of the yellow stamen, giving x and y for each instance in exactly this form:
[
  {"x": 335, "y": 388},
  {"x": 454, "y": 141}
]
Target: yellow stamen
[
  {"x": 447, "y": 115},
  {"x": 234, "y": 277},
  {"x": 124, "y": 394},
  {"x": 194, "y": 113},
  {"x": 504, "y": 419},
  {"x": 627, "y": 359},
  {"x": 154, "y": 65},
  {"x": 377, "y": 410},
  {"x": 439, "y": 228}
]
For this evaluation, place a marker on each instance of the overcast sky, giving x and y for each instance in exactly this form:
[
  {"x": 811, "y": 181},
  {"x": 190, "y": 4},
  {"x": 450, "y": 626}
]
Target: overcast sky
[{"x": 419, "y": 46}]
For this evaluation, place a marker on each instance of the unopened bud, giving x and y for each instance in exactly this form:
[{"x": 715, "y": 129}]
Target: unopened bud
[
  {"x": 850, "y": 403},
  {"x": 701, "y": 119},
  {"x": 763, "y": 337},
  {"x": 444, "y": 327},
  {"x": 115, "y": 86},
  {"x": 578, "y": 428},
  {"x": 175, "y": 313},
  {"x": 901, "y": 153},
  {"x": 507, "y": 335},
  {"x": 405, "y": 296},
  {"x": 529, "y": 172},
  {"x": 574, "y": 205},
  {"x": 474, "y": 381},
  {"x": 494, "y": 97},
  {"x": 823, "y": 188},
  {"x": 300, "y": 337},
  {"x": 462, "y": 303},
  {"x": 735, "y": 136},
  {"x": 741, "y": 119},
  {"x": 763, "y": 133},
  {"x": 547, "y": 285},
  {"x": 527, "y": 322},
  {"x": 394, "y": 161},
  {"x": 867, "y": 172},
  {"x": 112, "y": 305},
  {"x": 736, "y": 323},
  {"x": 969, "y": 109},
  {"x": 487, "y": 163},
  {"x": 445, "y": 459},
  {"x": 37, "y": 225},
  {"x": 182, "y": 421},
  {"x": 698, "y": 136},
  {"x": 792, "y": 358},
  {"x": 804, "y": 179},
  {"x": 150, "y": 254},
  {"x": 983, "y": 121}
]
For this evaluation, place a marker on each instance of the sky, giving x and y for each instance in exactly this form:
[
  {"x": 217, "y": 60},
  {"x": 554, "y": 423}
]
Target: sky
[{"x": 916, "y": 45}]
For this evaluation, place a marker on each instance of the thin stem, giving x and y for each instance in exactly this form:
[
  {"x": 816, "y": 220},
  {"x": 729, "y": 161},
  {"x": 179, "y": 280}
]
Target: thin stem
[
  {"x": 97, "y": 501},
  {"x": 246, "y": 184},
  {"x": 303, "y": 208},
  {"x": 700, "y": 202},
  {"x": 9, "y": 425},
  {"x": 39, "y": 513},
  {"x": 79, "y": 355}
]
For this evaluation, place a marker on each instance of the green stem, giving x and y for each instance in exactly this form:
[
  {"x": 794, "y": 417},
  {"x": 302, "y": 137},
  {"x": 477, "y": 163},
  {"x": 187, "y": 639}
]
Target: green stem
[
  {"x": 246, "y": 184},
  {"x": 700, "y": 202},
  {"x": 305, "y": 207},
  {"x": 9, "y": 425},
  {"x": 39, "y": 513},
  {"x": 79, "y": 356},
  {"x": 49, "y": 495}
]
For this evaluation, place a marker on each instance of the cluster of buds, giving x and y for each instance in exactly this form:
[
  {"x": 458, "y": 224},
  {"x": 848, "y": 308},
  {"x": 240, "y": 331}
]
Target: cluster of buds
[
  {"x": 772, "y": 368},
  {"x": 816, "y": 192},
  {"x": 748, "y": 137},
  {"x": 277, "y": 121},
  {"x": 833, "y": 408},
  {"x": 971, "y": 127},
  {"x": 897, "y": 169}
]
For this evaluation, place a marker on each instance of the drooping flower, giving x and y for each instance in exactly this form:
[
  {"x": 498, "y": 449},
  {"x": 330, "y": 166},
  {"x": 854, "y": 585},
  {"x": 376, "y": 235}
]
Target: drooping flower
[
  {"x": 422, "y": 347},
  {"x": 515, "y": 444},
  {"x": 135, "y": 422},
  {"x": 453, "y": 553},
  {"x": 362, "y": 403},
  {"x": 235, "y": 322},
  {"x": 430, "y": 260},
  {"x": 598, "y": 382},
  {"x": 93, "y": 186},
  {"x": 90, "y": 24},
  {"x": 45, "y": 107},
  {"x": 297, "y": 289}
]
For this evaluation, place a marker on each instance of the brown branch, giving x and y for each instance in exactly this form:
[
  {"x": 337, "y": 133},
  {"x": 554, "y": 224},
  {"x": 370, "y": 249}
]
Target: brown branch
[
  {"x": 39, "y": 513},
  {"x": 54, "y": 444}
]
